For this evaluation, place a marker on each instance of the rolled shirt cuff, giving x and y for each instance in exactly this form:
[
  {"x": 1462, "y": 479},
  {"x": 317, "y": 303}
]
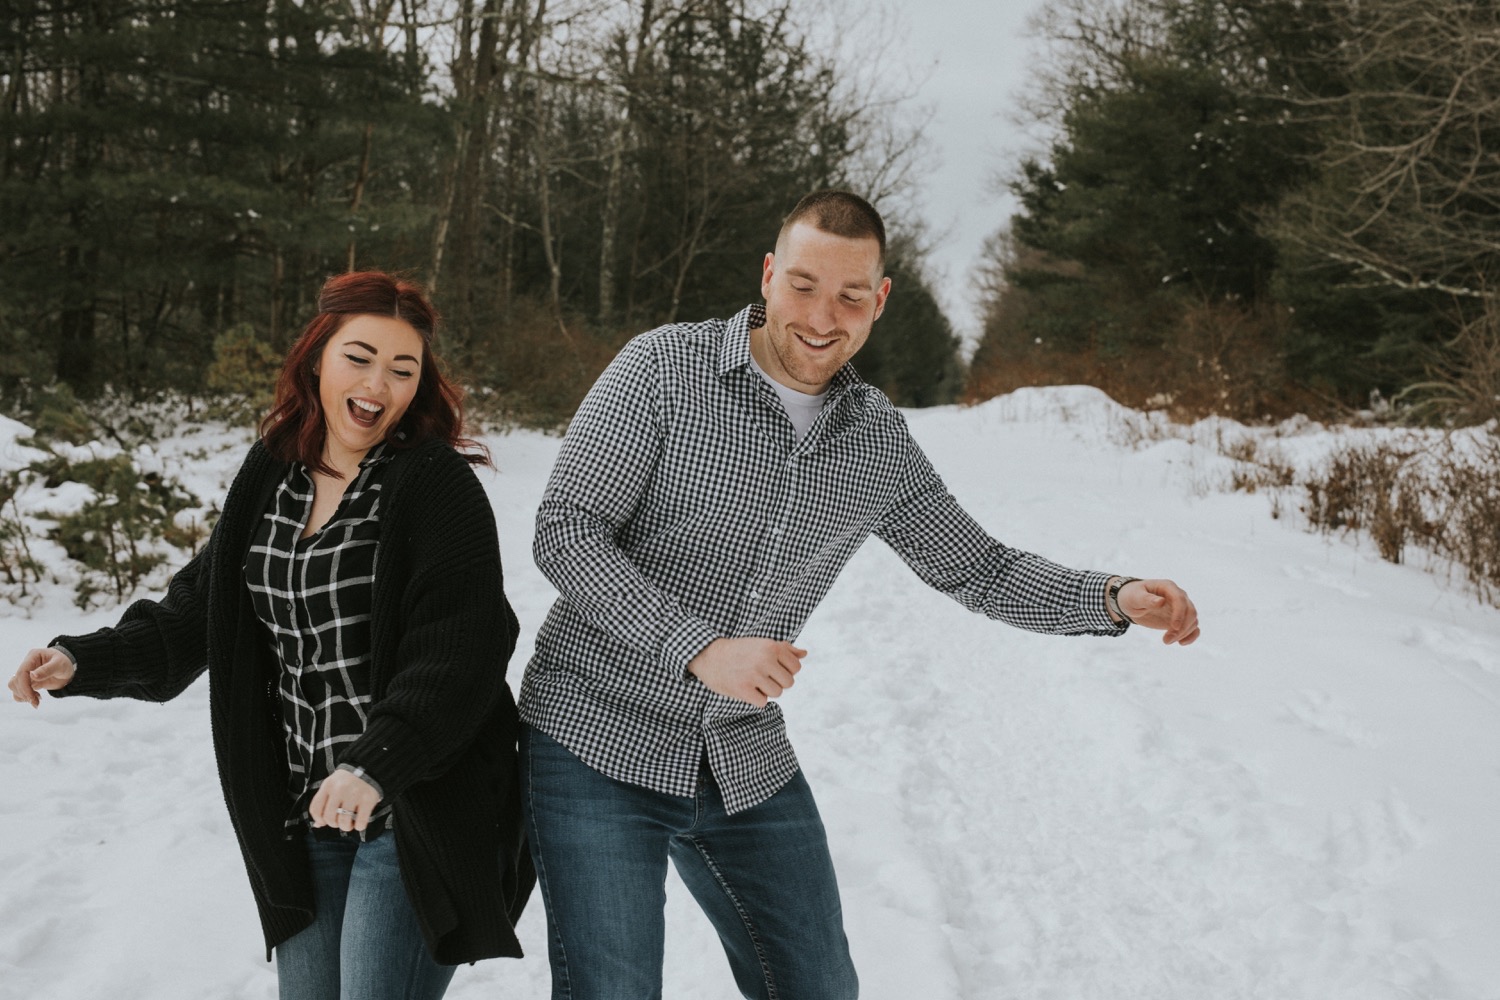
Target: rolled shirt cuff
[
  {"x": 364, "y": 776},
  {"x": 685, "y": 642}
]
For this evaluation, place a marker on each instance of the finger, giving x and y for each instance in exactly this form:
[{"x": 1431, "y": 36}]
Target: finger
[
  {"x": 50, "y": 677},
  {"x": 20, "y": 684},
  {"x": 783, "y": 676},
  {"x": 21, "y": 689},
  {"x": 768, "y": 686},
  {"x": 318, "y": 807},
  {"x": 345, "y": 817},
  {"x": 1179, "y": 606},
  {"x": 789, "y": 660},
  {"x": 800, "y": 652},
  {"x": 1187, "y": 638}
]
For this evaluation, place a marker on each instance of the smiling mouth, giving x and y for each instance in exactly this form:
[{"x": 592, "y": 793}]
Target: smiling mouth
[
  {"x": 363, "y": 413},
  {"x": 816, "y": 343}
]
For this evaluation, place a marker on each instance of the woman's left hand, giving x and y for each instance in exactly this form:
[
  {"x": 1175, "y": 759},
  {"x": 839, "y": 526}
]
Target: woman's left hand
[{"x": 344, "y": 801}]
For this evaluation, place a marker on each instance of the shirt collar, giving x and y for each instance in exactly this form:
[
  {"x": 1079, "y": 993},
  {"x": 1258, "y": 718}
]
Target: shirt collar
[
  {"x": 380, "y": 453},
  {"x": 734, "y": 349},
  {"x": 377, "y": 455}
]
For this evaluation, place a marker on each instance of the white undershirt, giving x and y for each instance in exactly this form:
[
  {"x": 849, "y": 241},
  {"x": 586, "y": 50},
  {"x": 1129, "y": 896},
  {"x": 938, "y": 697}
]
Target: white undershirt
[{"x": 801, "y": 407}]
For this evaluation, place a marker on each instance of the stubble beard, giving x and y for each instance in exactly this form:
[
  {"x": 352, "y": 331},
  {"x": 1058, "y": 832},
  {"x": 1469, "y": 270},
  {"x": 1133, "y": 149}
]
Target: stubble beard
[{"x": 803, "y": 369}]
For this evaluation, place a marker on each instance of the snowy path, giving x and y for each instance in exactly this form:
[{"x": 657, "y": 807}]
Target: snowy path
[{"x": 1301, "y": 807}]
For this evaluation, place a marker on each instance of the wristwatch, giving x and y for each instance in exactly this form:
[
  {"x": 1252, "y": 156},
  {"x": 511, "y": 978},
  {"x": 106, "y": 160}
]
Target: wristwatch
[{"x": 1112, "y": 595}]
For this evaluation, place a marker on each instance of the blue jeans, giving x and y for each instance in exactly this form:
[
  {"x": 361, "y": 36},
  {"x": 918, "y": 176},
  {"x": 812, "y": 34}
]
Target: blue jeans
[
  {"x": 364, "y": 942},
  {"x": 763, "y": 877}
]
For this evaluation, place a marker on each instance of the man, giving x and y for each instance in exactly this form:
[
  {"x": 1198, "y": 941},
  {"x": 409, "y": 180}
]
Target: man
[{"x": 712, "y": 485}]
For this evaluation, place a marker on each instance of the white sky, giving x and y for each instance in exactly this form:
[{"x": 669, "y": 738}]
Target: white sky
[{"x": 975, "y": 54}]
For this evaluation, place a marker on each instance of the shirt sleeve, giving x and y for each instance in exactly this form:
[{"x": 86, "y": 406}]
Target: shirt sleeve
[
  {"x": 158, "y": 648},
  {"x": 603, "y": 470},
  {"x": 951, "y": 553}
]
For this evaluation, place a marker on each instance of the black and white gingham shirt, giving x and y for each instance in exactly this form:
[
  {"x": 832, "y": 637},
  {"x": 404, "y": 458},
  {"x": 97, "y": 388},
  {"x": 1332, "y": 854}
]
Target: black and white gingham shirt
[
  {"x": 682, "y": 508},
  {"x": 313, "y": 594}
]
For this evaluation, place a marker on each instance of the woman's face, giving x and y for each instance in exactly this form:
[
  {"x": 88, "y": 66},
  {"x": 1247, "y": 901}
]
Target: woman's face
[{"x": 367, "y": 376}]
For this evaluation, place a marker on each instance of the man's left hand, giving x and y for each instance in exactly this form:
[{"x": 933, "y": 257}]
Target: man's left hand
[{"x": 1161, "y": 604}]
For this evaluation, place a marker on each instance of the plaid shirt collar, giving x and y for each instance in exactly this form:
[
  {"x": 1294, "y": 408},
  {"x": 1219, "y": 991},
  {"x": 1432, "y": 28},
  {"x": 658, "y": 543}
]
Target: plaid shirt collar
[
  {"x": 378, "y": 455},
  {"x": 734, "y": 351}
]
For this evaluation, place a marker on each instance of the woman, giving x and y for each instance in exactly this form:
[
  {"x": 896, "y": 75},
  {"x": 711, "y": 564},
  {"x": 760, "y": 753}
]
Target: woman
[{"x": 349, "y": 610}]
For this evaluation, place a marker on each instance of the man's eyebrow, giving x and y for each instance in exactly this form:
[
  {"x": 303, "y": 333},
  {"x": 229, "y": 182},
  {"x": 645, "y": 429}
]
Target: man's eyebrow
[{"x": 863, "y": 284}]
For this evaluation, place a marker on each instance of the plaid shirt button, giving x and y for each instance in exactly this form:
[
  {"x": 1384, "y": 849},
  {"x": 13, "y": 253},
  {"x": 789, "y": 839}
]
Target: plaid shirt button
[
  {"x": 313, "y": 595},
  {"x": 677, "y": 465}
]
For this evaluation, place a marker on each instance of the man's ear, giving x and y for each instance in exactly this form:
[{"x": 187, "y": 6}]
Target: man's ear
[
  {"x": 880, "y": 296},
  {"x": 767, "y": 272}
]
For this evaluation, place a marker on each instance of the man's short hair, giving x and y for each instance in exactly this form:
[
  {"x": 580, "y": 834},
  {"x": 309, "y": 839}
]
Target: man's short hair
[{"x": 839, "y": 213}]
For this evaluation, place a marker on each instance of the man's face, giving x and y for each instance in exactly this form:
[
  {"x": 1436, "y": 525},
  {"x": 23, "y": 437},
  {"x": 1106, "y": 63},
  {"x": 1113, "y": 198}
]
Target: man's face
[{"x": 823, "y": 293}]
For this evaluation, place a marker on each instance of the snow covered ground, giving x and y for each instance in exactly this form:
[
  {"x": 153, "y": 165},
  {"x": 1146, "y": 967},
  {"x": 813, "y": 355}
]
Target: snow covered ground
[{"x": 1303, "y": 806}]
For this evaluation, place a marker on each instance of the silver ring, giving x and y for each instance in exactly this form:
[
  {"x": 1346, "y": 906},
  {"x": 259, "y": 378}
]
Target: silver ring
[{"x": 343, "y": 812}]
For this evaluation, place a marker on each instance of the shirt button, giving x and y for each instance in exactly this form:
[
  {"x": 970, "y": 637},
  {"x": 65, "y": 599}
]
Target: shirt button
[{"x": 754, "y": 595}]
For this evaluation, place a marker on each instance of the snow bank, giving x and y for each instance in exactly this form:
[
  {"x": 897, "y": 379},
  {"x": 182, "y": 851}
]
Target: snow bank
[{"x": 1300, "y": 807}]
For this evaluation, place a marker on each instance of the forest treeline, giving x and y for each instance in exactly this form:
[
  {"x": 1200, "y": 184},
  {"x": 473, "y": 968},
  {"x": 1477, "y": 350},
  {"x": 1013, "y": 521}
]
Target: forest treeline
[
  {"x": 180, "y": 176},
  {"x": 1256, "y": 207}
]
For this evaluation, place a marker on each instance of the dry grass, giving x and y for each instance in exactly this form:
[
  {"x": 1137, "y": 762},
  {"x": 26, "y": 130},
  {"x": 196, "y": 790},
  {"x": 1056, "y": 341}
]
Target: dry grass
[
  {"x": 1406, "y": 490},
  {"x": 1442, "y": 498}
]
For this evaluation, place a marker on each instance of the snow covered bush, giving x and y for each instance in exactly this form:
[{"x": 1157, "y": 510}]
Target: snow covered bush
[
  {"x": 19, "y": 569},
  {"x": 90, "y": 501},
  {"x": 121, "y": 533}
]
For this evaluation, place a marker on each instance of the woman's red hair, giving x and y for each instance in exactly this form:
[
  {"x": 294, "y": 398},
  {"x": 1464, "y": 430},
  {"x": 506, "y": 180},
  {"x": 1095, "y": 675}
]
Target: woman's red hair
[{"x": 294, "y": 430}]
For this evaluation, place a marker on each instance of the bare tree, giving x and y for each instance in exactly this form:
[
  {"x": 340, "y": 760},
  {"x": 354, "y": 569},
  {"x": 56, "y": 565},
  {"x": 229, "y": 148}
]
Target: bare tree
[{"x": 1409, "y": 190}]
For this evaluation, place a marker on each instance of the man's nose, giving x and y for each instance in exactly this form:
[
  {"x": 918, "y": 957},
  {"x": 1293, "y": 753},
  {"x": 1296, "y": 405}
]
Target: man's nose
[{"x": 824, "y": 318}]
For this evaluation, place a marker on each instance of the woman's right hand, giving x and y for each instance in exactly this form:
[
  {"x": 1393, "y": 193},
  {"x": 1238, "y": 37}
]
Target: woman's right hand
[{"x": 41, "y": 670}]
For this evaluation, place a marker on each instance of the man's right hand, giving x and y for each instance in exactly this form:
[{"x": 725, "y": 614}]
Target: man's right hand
[
  {"x": 41, "y": 670},
  {"x": 749, "y": 669}
]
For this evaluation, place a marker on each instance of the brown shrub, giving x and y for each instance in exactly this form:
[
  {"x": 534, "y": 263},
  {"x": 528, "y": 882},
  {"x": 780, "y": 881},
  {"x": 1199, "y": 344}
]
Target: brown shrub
[
  {"x": 1204, "y": 358},
  {"x": 531, "y": 371},
  {"x": 1444, "y": 499}
]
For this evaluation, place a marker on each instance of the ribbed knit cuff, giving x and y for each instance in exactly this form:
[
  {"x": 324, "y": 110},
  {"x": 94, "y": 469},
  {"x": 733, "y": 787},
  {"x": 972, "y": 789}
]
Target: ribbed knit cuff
[{"x": 87, "y": 680}]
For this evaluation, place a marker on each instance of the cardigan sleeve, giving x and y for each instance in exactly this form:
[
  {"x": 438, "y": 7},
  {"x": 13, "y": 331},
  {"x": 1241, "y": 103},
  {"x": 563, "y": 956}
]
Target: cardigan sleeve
[
  {"x": 158, "y": 648},
  {"x": 456, "y": 629}
]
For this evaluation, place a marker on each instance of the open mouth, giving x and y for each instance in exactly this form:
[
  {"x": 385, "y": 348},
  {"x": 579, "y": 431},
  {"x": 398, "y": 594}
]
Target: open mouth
[
  {"x": 365, "y": 413},
  {"x": 817, "y": 343}
]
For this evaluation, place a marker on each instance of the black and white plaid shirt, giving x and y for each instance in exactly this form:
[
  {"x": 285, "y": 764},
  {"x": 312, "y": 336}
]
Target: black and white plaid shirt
[
  {"x": 682, "y": 508},
  {"x": 313, "y": 594}
]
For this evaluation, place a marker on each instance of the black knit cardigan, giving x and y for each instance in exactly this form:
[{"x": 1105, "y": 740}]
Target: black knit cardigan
[{"x": 442, "y": 731}]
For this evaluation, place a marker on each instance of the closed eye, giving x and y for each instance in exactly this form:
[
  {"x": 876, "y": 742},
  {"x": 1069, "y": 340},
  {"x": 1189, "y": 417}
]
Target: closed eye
[
  {"x": 402, "y": 373},
  {"x": 358, "y": 359}
]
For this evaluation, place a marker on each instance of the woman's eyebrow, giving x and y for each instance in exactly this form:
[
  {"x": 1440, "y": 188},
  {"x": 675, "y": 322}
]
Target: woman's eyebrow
[{"x": 399, "y": 357}]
